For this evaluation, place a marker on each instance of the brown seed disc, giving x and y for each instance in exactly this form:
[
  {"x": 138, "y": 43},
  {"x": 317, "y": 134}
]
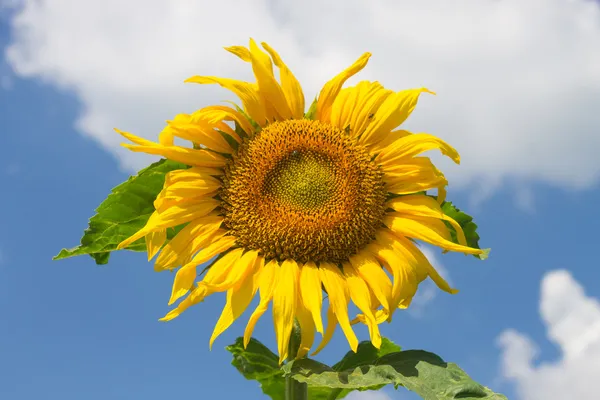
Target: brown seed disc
[{"x": 303, "y": 190}]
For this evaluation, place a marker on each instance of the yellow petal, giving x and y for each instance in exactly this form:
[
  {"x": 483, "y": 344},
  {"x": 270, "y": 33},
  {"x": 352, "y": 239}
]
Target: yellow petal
[
  {"x": 268, "y": 279},
  {"x": 414, "y": 255},
  {"x": 268, "y": 86},
  {"x": 192, "y": 188},
  {"x": 183, "y": 282},
  {"x": 425, "y": 206},
  {"x": 426, "y": 229},
  {"x": 139, "y": 234},
  {"x": 202, "y": 133},
  {"x": 219, "y": 245},
  {"x": 166, "y": 137},
  {"x": 332, "y": 88},
  {"x": 404, "y": 276},
  {"x": 164, "y": 203},
  {"x": 154, "y": 241},
  {"x": 222, "y": 266},
  {"x": 342, "y": 107},
  {"x": 248, "y": 94},
  {"x": 393, "y": 242},
  {"x": 285, "y": 299},
  {"x": 217, "y": 272},
  {"x": 192, "y": 174},
  {"x": 180, "y": 214},
  {"x": 337, "y": 289},
  {"x": 290, "y": 85},
  {"x": 394, "y": 110},
  {"x": 412, "y": 145},
  {"x": 388, "y": 139},
  {"x": 224, "y": 113},
  {"x": 414, "y": 175},
  {"x": 307, "y": 330},
  {"x": 185, "y": 276},
  {"x": 311, "y": 293},
  {"x": 370, "y": 270},
  {"x": 199, "y": 158},
  {"x": 361, "y": 296},
  {"x": 200, "y": 232},
  {"x": 329, "y": 330},
  {"x": 425, "y": 184},
  {"x": 355, "y": 107},
  {"x": 135, "y": 139},
  {"x": 181, "y": 185},
  {"x": 222, "y": 280},
  {"x": 240, "y": 51},
  {"x": 238, "y": 299},
  {"x": 171, "y": 217},
  {"x": 195, "y": 297}
]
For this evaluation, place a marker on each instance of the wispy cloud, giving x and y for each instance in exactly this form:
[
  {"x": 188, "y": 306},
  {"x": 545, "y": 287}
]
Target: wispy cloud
[{"x": 572, "y": 320}]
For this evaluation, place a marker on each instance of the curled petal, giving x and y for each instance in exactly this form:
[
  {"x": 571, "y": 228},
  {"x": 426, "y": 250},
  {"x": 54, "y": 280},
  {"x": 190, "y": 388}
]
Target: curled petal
[
  {"x": 412, "y": 145},
  {"x": 331, "y": 89}
]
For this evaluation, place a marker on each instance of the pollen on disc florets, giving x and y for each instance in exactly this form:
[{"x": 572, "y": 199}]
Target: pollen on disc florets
[{"x": 303, "y": 190}]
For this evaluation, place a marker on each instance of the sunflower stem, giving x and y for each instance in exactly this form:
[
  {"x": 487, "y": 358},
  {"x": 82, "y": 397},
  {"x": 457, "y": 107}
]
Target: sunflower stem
[{"x": 295, "y": 390}]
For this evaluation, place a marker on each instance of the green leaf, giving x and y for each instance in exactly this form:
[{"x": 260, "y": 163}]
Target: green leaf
[
  {"x": 419, "y": 371},
  {"x": 122, "y": 213},
  {"x": 466, "y": 223},
  {"x": 257, "y": 362},
  {"x": 366, "y": 354},
  {"x": 312, "y": 110}
]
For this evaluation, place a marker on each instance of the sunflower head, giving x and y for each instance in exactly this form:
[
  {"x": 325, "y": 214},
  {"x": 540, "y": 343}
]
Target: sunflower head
[
  {"x": 292, "y": 206},
  {"x": 317, "y": 196}
]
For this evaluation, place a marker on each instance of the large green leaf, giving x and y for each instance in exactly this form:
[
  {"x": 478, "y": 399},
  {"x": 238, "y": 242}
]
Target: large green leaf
[
  {"x": 466, "y": 223},
  {"x": 257, "y": 362},
  {"x": 419, "y": 371},
  {"x": 122, "y": 213},
  {"x": 366, "y": 354}
]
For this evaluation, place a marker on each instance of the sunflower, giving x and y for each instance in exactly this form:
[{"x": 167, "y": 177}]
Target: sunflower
[{"x": 294, "y": 205}]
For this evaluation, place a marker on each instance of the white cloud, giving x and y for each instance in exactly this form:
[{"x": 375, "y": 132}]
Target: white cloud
[
  {"x": 368, "y": 395},
  {"x": 525, "y": 199},
  {"x": 428, "y": 290},
  {"x": 517, "y": 80},
  {"x": 573, "y": 323}
]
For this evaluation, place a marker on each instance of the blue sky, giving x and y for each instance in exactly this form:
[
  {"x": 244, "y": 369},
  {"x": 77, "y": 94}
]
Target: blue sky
[{"x": 73, "y": 330}]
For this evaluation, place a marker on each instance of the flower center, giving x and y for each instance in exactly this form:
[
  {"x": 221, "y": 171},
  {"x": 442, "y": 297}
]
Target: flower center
[
  {"x": 301, "y": 180},
  {"x": 303, "y": 190}
]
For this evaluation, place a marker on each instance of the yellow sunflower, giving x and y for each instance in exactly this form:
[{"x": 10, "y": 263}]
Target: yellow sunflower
[{"x": 295, "y": 205}]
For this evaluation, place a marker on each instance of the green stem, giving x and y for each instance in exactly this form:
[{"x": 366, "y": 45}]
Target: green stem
[{"x": 295, "y": 390}]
